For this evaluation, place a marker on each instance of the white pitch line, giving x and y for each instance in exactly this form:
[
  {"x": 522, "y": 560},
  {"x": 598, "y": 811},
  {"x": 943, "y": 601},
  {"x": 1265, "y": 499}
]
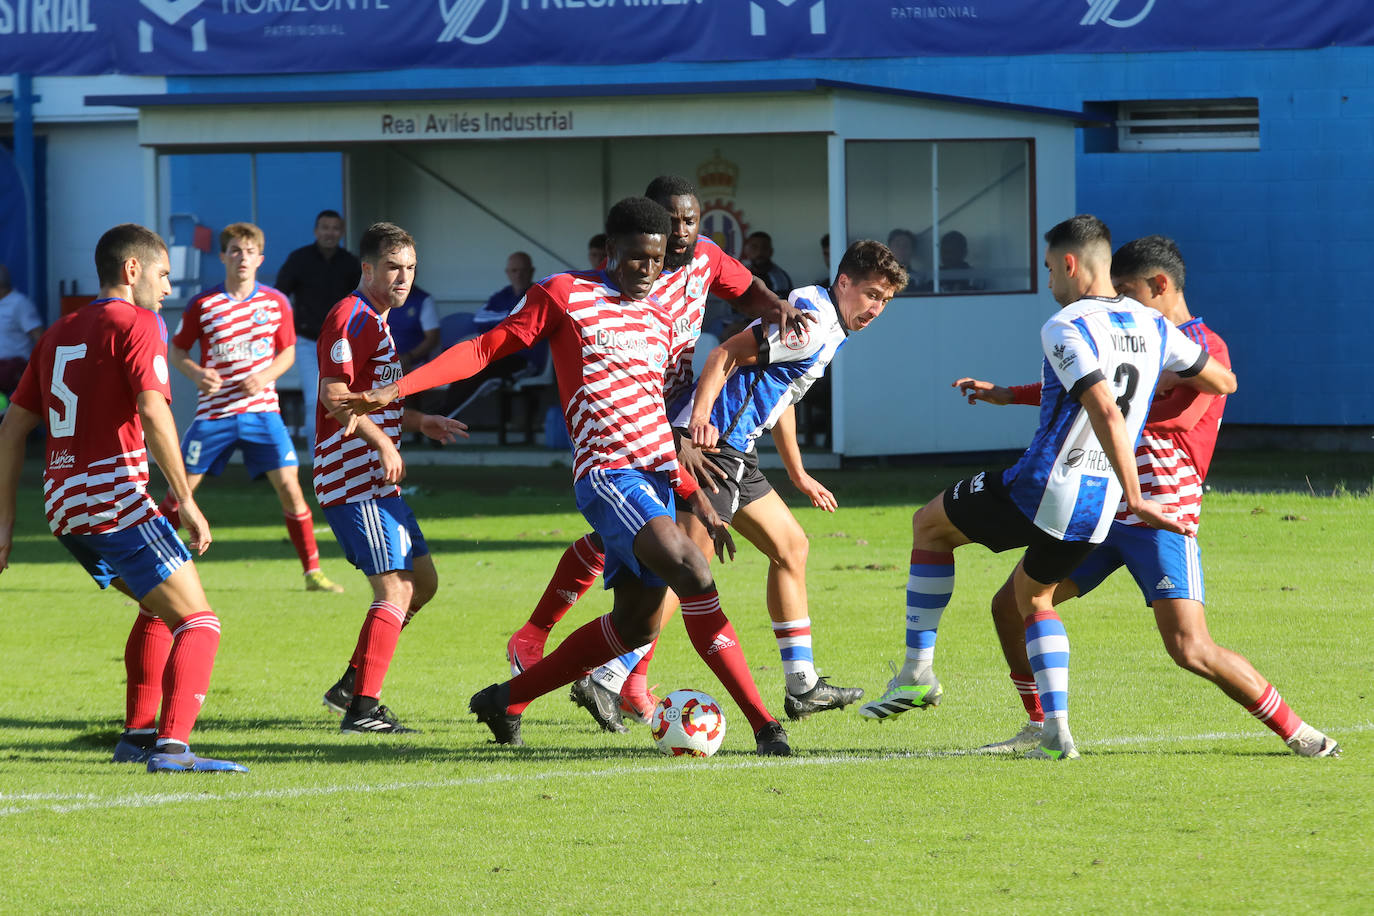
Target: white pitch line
[{"x": 67, "y": 804}]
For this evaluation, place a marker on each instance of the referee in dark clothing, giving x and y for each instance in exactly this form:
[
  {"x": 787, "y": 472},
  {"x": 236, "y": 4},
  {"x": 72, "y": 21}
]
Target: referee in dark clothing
[{"x": 316, "y": 277}]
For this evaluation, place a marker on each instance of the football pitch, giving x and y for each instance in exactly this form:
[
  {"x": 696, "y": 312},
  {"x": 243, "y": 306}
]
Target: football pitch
[{"x": 1181, "y": 801}]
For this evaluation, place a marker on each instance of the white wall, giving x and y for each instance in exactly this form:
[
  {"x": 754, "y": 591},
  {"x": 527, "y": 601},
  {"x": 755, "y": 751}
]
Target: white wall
[
  {"x": 95, "y": 181},
  {"x": 892, "y": 386}
]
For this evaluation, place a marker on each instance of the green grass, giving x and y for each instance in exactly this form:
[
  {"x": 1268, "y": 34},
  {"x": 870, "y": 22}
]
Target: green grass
[{"x": 1181, "y": 802}]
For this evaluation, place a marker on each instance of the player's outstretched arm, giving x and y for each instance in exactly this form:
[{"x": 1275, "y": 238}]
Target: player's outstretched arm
[
  {"x": 334, "y": 394},
  {"x": 207, "y": 381},
  {"x": 441, "y": 429},
  {"x": 978, "y": 390},
  {"x": 785, "y": 438},
  {"x": 14, "y": 429},
  {"x": 1110, "y": 428},
  {"x": 740, "y": 350},
  {"x": 758, "y": 301},
  {"x": 160, "y": 434}
]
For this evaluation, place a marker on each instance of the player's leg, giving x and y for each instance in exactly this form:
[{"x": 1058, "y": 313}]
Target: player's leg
[
  {"x": 150, "y": 564},
  {"x": 145, "y": 660},
  {"x": 381, "y": 630},
  {"x": 619, "y": 505},
  {"x": 1174, "y": 564},
  {"x": 1048, "y": 561},
  {"x": 300, "y": 528},
  {"x": 382, "y": 539},
  {"x": 179, "y": 600},
  {"x": 769, "y": 525},
  {"x": 577, "y": 569},
  {"x": 268, "y": 450},
  {"x": 1011, "y": 635},
  {"x": 670, "y": 553},
  {"x": 628, "y": 674},
  {"x": 930, "y": 585}
]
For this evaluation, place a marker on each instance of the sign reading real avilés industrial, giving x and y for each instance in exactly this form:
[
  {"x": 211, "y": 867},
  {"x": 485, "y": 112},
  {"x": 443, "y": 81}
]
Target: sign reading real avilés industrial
[
  {"x": 176, "y": 37},
  {"x": 475, "y": 123}
]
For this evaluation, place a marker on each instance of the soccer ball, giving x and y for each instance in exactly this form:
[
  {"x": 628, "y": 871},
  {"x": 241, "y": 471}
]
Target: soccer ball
[{"x": 688, "y": 722}]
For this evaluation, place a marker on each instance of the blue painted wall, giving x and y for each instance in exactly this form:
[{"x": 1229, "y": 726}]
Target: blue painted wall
[{"x": 1277, "y": 241}]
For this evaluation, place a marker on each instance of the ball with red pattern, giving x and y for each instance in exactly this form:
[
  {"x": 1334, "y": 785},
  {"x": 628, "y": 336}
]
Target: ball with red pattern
[{"x": 688, "y": 723}]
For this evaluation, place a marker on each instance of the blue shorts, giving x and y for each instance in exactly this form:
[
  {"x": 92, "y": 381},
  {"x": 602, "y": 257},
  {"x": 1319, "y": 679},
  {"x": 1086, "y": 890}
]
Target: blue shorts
[
  {"x": 143, "y": 556},
  {"x": 619, "y": 504},
  {"x": 378, "y": 535},
  {"x": 266, "y": 445},
  {"x": 1164, "y": 564}
]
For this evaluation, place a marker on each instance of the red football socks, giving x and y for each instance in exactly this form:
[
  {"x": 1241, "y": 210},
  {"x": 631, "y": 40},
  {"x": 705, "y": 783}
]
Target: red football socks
[
  {"x": 145, "y": 659},
  {"x": 1271, "y": 709},
  {"x": 714, "y": 639},
  {"x": 376, "y": 646},
  {"x": 186, "y": 679},
  {"x": 590, "y": 645},
  {"x": 301, "y": 529},
  {"x": 577, "y": 569}
]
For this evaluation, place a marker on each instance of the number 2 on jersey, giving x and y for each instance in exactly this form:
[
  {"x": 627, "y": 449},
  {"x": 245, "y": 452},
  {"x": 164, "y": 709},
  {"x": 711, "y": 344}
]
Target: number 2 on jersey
[{"x": 63, "y": 425}]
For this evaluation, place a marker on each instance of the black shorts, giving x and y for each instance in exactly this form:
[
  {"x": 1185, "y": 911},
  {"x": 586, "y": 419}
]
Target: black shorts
[
  {"x": 743, "y": 482},
  {"x": 980, "y": 507}
]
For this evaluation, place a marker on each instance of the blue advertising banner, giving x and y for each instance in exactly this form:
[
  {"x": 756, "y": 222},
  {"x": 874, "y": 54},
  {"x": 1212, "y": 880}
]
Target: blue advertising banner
[{"x": 188, "y": 37}]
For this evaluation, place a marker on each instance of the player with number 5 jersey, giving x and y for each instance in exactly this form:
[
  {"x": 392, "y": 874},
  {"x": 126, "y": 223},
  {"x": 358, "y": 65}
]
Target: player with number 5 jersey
[{"x": 98, "y": 378}]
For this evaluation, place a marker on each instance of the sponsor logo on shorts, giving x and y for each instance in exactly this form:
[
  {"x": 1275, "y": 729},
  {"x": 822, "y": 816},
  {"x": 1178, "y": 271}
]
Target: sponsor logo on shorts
[{"x": 1165, "y": 583}]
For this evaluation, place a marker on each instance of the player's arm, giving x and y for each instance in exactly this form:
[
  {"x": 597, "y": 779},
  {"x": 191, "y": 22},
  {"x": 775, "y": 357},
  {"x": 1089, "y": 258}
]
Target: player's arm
[
  {"x": 1179, "y": 411},
  {"x": 991, "y": 393},
  {"x": 462, "y": 360},
  {"x": 254, "y": 382},
  {"x": 160, "y": 434},
  {"x": 740, "y": 350},
  {"x": 1099, "y": 401},
  {"x": 1212, "y": 378},
  {"x": 441, "y": 429},
  {"x": 785, "y": 438},
  {"x": 758, "y": 301},
  {"x": 334, "y": 394},
  {"x": 207, "y": 381},
  {"x": 18, "y": 422}
]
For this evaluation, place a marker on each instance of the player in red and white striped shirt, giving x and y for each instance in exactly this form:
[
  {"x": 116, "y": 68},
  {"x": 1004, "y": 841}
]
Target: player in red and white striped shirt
[
  {"x": 693, "y": 268},
  {"x": 358, "y": 469},
  {"x": 246, "y": 341},
  {"x": 1173, "y": 455},
  {"x": 98, "y": 377},
  {"x": 610, "y": 338}
]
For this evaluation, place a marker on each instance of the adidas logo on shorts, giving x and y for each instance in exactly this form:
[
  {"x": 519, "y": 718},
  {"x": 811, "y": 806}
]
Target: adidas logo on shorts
[{"x": 1164, "y": 583}]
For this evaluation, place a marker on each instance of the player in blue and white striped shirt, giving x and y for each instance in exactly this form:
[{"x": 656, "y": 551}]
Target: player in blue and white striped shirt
[
  {"x": 1103, "y": 356},
  {"x": 748, "y": 386}
]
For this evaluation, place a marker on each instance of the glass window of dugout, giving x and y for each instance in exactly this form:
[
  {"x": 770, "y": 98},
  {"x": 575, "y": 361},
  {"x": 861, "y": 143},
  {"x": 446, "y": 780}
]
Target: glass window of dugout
[{"x": 958, "y": 213}]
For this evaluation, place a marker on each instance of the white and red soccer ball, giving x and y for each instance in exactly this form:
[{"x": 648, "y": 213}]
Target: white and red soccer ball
[{"x": 688, "y": 722}]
